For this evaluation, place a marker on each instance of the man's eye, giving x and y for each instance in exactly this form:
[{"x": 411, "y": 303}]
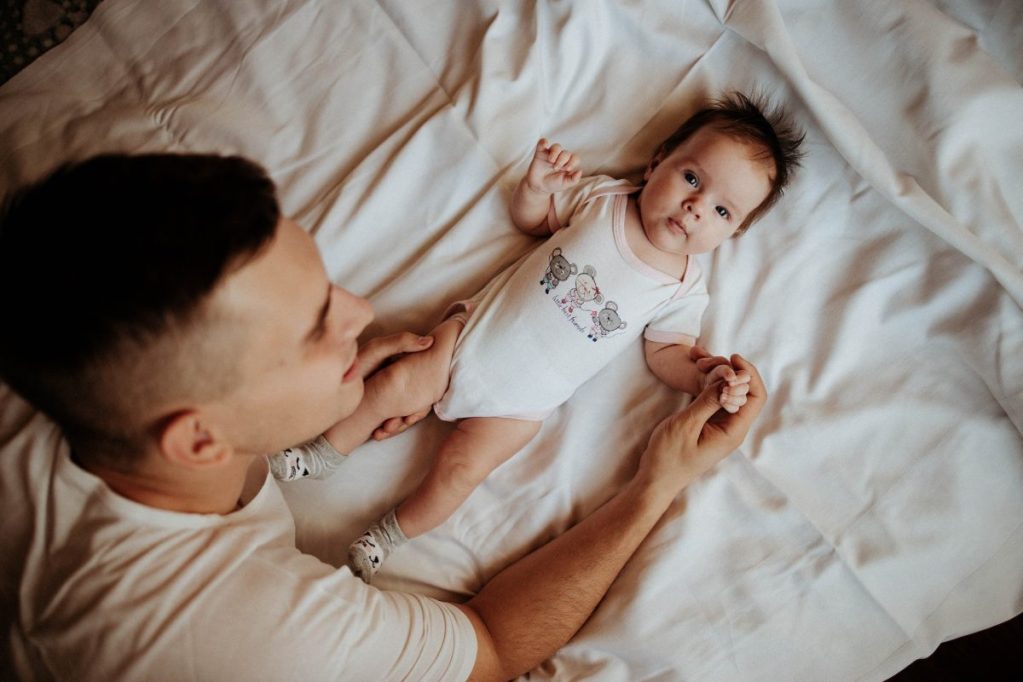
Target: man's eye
[
  {"x": 692, "y": 179},
  {"x": 722, "y": 211}
]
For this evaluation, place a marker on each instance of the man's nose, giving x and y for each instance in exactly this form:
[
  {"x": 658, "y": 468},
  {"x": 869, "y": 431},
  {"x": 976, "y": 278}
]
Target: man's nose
[{"x": 359, "y": 313}]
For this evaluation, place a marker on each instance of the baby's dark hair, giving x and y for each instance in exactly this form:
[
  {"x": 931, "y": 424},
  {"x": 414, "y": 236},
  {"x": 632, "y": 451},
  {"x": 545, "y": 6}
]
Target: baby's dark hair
[{"x": 752, "y": 121}]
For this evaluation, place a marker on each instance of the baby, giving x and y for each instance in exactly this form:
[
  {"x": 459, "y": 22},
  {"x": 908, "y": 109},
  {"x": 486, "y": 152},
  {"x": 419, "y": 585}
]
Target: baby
[{"x": 618, "y": 264}]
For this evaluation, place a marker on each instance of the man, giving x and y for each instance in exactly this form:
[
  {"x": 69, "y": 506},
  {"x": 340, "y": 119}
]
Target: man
[{"x": 178, "y": 329}]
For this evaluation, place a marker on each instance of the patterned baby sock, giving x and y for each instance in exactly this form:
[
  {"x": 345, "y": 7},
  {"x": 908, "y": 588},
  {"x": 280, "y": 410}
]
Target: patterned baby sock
[
  {"x": 315, "y": 459},
  {"x": 367, "y": 554}
]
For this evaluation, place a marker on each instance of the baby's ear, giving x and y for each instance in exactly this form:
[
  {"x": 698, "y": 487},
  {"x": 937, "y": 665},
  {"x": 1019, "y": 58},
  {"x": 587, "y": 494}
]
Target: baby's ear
[{"x": 654, "y": 162}]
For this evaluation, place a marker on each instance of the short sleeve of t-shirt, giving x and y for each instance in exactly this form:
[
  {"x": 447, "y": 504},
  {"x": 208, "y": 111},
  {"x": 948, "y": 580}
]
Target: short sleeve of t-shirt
[
  {"x": 327, "y": 624},
  {"x": 166, "y": 595},
  {"x": 566, "y": 203},
  {"x": 678, "y": 321}
]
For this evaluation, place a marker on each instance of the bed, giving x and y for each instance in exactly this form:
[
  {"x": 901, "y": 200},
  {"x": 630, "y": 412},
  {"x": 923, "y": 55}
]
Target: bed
[{"x": 875, "y": 509}]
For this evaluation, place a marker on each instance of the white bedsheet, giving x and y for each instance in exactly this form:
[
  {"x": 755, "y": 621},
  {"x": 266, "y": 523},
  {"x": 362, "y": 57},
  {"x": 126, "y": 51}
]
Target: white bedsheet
[{"x": 875, "y": 510}]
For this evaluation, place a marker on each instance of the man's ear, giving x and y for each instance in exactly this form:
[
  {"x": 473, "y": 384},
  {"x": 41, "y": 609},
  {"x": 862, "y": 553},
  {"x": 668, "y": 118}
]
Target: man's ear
[{"x": 190, "y": 440}]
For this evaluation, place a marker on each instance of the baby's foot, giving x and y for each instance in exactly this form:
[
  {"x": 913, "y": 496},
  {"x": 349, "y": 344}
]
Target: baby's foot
[
  {"x": 316, "y": 459},
  {"x": 367, "y": 554},
  {"x": 288, "y": 465}
]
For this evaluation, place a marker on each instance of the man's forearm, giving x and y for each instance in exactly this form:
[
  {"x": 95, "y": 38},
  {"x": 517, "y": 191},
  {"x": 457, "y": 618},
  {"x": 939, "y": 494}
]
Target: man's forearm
[
  {"x": 538, "y": 603},
  {"x": 535, "y": 605}
]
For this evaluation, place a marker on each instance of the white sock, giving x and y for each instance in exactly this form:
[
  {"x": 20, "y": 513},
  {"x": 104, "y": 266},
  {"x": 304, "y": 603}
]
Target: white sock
[
  {"x": 367, "y": 554},
  {"x": 315, "y": 459}
]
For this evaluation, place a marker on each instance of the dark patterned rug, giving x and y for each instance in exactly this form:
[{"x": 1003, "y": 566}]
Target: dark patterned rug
[{"x": 29, "y": 28}]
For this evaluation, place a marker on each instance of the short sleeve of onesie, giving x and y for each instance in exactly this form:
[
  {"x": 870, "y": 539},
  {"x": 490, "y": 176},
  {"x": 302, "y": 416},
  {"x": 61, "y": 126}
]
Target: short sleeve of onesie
[
  {"x": 565, "y": 204},
  {"x": 679, "y": 320}
]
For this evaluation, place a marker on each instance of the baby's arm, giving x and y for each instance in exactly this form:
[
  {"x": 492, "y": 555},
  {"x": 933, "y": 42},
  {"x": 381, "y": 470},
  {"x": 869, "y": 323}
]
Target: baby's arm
[
  {"x": 552, "y": 169},
  {"x": 691, "y": 369}
]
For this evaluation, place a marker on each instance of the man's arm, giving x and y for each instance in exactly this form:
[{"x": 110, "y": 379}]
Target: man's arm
[{"x": 534, "y": 606}]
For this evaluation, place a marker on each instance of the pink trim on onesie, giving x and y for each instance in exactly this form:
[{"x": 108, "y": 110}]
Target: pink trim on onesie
[
  {"x": 668, "y": 337},
  {"x": 553, "y": 224},
  {"x": 685, "y": 284},
  {"x": 461, "y": 310}
]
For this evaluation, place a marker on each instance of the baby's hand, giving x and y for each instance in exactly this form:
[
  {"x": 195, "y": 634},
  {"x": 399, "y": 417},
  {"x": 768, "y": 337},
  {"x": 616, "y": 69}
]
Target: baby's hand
[
  {"x": 552, "y": 169},
  {"x": 735, "y": 385},
  {"x": 734, "y": 389}
]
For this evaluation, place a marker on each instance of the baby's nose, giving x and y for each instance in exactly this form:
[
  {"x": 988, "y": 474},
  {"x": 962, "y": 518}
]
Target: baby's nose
[{"x": 692, "y": 208}]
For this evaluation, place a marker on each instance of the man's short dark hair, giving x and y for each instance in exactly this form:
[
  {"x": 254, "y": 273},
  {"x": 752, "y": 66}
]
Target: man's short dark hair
[
  {"x": 101, "y": 260},
  {"x": 748, "y": 120}
]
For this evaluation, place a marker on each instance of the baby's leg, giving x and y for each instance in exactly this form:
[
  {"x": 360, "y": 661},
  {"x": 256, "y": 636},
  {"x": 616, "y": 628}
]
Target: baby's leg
[{"x": 476, "y": 447}]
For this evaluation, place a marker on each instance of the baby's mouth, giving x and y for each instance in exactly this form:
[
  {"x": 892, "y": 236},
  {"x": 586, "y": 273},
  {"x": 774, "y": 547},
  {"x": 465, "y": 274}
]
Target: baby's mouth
[{"x": 678, "y": 226}]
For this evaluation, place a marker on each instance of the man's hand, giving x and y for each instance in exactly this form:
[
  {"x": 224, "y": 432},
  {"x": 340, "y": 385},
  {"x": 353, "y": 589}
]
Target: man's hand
[
  {"x": 689, "y": 443},
  {"x": 404, "y": 391},
  {"x": 553, "y": 169},
  {"x": 376, "y": 351}
]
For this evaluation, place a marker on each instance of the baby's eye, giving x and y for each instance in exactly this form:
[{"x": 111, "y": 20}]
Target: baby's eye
[
  {"x": 691, "y": 179},
  {"x": 722, "y": 211}
]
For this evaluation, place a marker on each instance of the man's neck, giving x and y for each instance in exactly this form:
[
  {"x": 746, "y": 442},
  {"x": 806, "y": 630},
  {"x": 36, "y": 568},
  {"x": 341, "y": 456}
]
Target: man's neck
[{"x": 207, "y": 491}]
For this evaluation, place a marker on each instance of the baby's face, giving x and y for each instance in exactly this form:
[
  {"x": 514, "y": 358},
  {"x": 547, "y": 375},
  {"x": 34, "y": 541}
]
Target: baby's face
[{"x": 701, "y": 193}]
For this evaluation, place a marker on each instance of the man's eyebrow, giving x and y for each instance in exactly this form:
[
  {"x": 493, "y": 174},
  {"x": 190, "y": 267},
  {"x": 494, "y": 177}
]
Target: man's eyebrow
[{"x": 321, "y": 319}]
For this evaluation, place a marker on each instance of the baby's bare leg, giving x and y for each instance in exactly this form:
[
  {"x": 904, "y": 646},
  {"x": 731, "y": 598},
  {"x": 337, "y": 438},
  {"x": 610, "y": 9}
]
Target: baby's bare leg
[{"x": 476, "y": 447}]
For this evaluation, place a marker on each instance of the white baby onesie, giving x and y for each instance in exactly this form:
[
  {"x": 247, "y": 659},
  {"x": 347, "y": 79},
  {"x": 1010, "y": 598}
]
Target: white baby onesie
[{"x": 543, "y": 327}]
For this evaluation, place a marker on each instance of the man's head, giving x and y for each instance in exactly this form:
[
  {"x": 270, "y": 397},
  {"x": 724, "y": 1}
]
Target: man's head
[
  {"x": 769, "y": 140},
  {"x": 140, "y": 293}
]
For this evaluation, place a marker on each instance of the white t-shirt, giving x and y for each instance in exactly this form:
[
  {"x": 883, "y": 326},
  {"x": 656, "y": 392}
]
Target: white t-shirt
[
  {"x": 544, "y": 326},
  {"x": 97, "y": 587}
]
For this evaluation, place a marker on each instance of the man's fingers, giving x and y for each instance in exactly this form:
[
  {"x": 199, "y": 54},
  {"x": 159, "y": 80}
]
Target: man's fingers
[
  {"x": 395, "y": 425},
  {"x": 705, "y": 405},
  {"x": 391, "y": 427},
  {"x": 706, "y": 364},
  {"x": 724, "y": 372},
  {"x": 375, "y": 351},
  {"x": 757, "y": 395},
  {"x": 739, "y": 420},
  {"x": 417, "y": 417},
  {"x": 698, "y": 352}
]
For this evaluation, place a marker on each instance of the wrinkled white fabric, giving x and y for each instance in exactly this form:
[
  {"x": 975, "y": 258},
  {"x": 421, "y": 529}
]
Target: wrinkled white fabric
[{"x": 875, "y": 508}]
